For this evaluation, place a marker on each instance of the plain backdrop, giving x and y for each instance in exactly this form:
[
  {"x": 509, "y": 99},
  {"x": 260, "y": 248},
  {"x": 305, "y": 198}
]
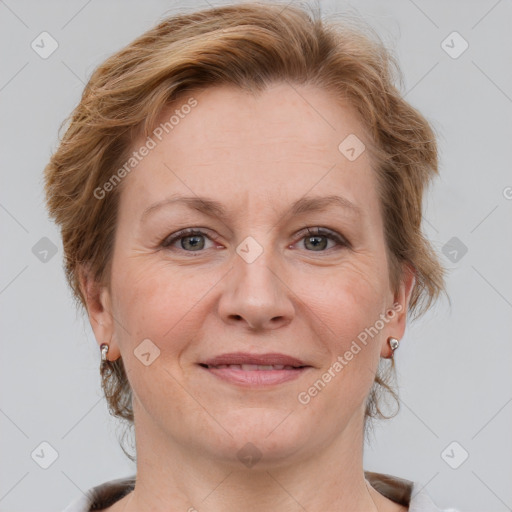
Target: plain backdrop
[{"x": 453, "y": 434}]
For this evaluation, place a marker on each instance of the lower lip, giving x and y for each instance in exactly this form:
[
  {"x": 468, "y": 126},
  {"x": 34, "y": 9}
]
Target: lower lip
[{"x": 256, "y": 377}]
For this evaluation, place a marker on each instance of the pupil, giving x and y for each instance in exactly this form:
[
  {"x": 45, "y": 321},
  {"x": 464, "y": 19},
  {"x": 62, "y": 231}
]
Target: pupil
[
  {"x": 318, "y": 244},
  {"x": 194, "y": 244}
]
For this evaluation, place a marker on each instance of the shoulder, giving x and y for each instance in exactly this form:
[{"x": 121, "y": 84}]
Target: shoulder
[
  {"x": 399, "y": 490},
  {"x": 404, "y": 492},
  {"x": 422, "y": 502},
  {"x": 102, "y": 496}
]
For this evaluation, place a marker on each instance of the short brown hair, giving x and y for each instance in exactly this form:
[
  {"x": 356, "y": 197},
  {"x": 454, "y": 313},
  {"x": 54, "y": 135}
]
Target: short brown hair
[{"x": 248, "y": 45}]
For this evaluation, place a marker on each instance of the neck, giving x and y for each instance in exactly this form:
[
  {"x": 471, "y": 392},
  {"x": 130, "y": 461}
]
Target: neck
[{"x": 172, "y": 477}]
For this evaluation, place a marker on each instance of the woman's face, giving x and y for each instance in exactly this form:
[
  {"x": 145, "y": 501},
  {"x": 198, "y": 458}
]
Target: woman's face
[{"x": 253, "y": 281}]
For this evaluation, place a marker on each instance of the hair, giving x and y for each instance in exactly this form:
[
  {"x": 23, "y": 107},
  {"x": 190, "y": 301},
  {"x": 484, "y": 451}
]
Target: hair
[{"x": 250, "y": 46}]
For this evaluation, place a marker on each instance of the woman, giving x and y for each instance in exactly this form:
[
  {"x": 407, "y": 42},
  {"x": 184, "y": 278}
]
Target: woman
[{"x": 240, "y": 198}]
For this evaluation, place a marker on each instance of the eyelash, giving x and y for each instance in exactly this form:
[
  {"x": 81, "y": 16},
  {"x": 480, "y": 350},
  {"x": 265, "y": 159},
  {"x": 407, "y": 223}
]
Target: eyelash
[{"x": 317, "y": 231}]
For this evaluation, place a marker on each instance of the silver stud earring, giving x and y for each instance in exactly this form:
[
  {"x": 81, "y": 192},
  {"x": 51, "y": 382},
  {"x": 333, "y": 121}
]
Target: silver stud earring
[
  {"x": 104, "y": 350},
  {"x": 393, "y": 343}
]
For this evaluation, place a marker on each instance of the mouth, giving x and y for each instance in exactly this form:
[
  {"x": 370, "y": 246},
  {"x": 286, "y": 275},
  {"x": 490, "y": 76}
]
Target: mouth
[
  {"x": 252, "y": 367},
  {"x": 254, "y": 370}
]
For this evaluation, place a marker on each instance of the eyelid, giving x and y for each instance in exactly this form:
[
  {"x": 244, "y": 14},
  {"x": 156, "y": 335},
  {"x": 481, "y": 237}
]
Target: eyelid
[
  {"x": 182, "y": 233},
  {"x": 306, "y": 231},
  {"x": 322, "y": 231}
]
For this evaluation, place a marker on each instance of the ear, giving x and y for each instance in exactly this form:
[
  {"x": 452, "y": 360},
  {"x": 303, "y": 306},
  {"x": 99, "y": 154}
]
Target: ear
[
  {"x": 98, "y": 302},
  {"x": 397, "y": 323}
]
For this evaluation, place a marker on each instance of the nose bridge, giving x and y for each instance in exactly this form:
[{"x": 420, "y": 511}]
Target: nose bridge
[
  {"x": 255, "y": 263},
  {"x": 254, "y": 292}
]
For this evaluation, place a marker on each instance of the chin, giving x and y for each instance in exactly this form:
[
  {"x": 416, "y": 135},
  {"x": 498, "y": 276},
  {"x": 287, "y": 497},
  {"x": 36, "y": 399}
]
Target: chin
[{"x": 261, "y": 437}]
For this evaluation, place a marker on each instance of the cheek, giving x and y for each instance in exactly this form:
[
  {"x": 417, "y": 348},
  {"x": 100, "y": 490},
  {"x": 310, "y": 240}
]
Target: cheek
[
  {"x": 155, "y": 302},
  {"x": 165, "y": 304},
  {"x": 350, "y": 298},
  {"x": 344, "y": 381},
  {"x": 347, "y": 307}
]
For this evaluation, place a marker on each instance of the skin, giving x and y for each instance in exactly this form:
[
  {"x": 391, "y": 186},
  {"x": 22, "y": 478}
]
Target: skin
[{"x": 256, "y": 155}]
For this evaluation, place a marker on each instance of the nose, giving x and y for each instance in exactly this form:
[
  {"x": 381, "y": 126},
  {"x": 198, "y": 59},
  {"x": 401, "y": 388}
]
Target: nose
[{"x": 256, "y": 294}]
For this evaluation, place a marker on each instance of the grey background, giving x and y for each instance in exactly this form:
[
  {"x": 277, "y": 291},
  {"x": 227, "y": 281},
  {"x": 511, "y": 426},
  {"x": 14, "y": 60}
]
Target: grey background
[{"x": 454, "y": 364}]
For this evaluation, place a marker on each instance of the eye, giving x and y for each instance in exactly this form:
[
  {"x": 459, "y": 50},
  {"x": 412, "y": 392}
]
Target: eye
[
  {"x": 192, "y": 240},
  {"x": 317, "y": 239}
]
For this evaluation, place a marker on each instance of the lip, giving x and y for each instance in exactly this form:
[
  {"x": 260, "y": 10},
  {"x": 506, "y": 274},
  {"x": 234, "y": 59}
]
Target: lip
[
  {"x": 260, "y": 359},
  {"x": 255, "y": 378}
]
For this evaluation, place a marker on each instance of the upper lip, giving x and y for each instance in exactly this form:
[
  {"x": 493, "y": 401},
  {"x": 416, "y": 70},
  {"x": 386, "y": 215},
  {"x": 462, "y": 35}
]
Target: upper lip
[{"x": 259, "y": 359}]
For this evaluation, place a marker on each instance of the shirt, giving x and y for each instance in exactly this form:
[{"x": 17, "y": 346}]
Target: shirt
[{"x": 396, "y": 489}]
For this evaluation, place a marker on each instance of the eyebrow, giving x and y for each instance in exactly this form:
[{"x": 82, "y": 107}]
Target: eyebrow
[{"x": 213, "y": 208}]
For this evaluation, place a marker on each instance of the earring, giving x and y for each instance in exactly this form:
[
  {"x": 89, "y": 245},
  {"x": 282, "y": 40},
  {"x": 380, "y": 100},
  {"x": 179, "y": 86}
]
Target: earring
[
  {"x": 104, "y": 350},
  {"x": 393, "y": 343}
]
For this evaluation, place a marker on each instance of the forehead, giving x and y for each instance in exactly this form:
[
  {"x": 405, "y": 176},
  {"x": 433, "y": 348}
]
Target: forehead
[{"x": 243, "y": 148}]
